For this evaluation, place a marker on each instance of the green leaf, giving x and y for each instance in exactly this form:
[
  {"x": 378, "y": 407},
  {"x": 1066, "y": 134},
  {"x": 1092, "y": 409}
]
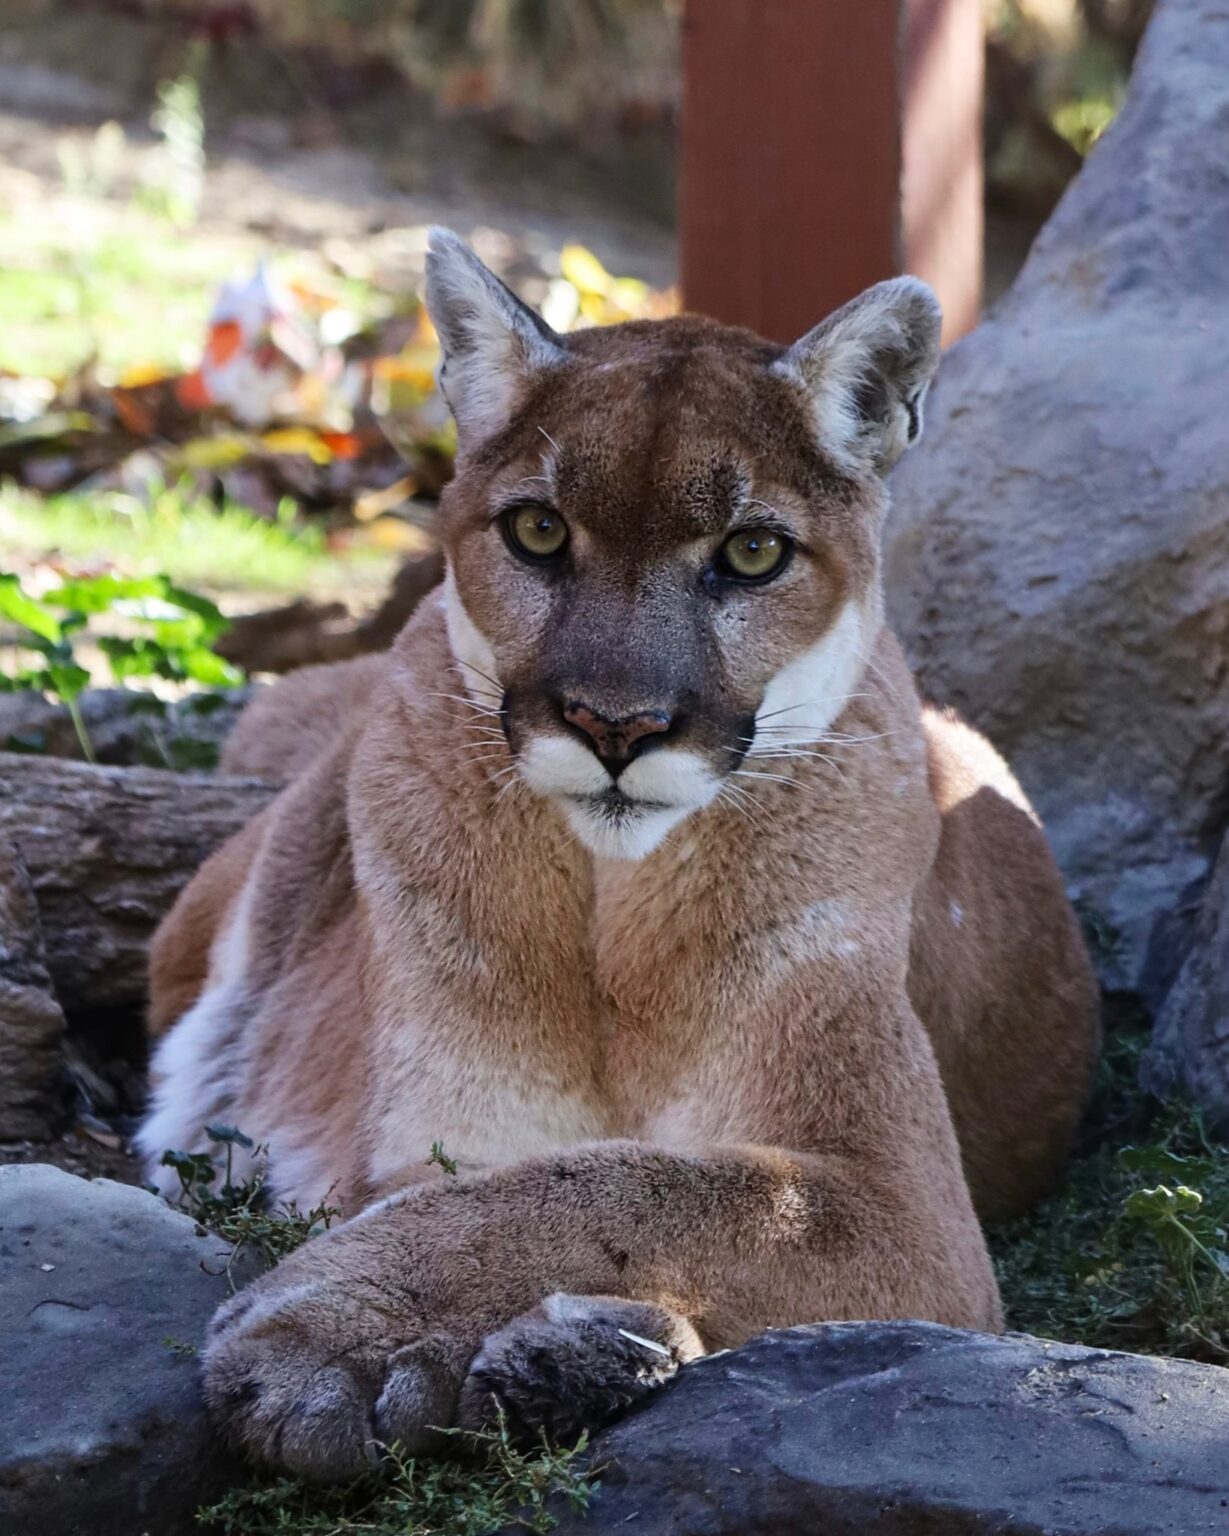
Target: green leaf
[
  {"x": 22, "y": 609},
  {"x": 67, "y": 679},
  {"x": 135, "y": 658},
  {"x": 229, "y": 1133},
  {"x": 192, "y": 1167},
  {"x": 214, "y": 621},
  {"x": 203, "y": 666},
  {"x": 178, "y": 634},
  {"x": 99, "y": 594},
  {"x": 31, "y": 680}
]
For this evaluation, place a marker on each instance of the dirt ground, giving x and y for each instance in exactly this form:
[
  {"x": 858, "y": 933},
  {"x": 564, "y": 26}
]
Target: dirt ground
[
  {"x": 284, "y": 166},
  {"x": 77, "y": 1152}
]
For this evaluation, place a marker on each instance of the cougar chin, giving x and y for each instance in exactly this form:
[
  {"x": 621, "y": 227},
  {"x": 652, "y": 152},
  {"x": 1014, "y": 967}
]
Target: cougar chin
[{"x": 623, "y": 818}]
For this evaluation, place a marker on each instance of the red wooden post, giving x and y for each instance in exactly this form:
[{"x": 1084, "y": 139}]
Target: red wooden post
[{"x": 827, "y": 144}]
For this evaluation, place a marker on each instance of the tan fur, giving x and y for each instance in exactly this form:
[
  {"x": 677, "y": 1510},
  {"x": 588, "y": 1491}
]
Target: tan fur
[
  {"x": 284, "y": 729},
  {"x": 695, "y": 1092}
]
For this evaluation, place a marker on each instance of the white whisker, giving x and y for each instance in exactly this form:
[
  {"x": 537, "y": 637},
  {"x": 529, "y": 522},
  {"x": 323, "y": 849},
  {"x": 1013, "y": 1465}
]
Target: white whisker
[
  {"x": 513, "y": 780},
  {"x": 460, "y": 698},
  {"x": 793, "y": 752},
  {"x": 742, "y": 801},
  {"x": 485, "y": 676},
  {"x": 807, "y": 703}
]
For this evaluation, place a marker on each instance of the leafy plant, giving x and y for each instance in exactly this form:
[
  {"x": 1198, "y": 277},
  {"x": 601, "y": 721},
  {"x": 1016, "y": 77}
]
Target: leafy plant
[
  {"x": 440, "y": 1158},
  {"x": 498, "y": 1483},
  {"x": 58, "y": 673},
  {"x": 239, "y": 1210},
  {"x": 174, "y": 634},
  {"x": 1133, "y": 1252}
]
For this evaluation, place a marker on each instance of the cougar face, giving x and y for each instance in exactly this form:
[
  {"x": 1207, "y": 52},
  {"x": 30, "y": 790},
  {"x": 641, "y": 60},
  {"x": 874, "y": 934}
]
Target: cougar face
[{"x": 663, "y": 537}]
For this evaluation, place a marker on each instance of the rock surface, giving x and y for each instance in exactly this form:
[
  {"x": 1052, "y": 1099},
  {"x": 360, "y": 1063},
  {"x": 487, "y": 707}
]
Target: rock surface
[
  {"x": 1058, "y": 560},
  {"x": 842, "y": 1428},
  {"x": 856, "y": 1429},
  {"x": 31, "y": 1020},
  {"x": 103, "y": 1431},
  {"x": 1190, "y": 1041}
]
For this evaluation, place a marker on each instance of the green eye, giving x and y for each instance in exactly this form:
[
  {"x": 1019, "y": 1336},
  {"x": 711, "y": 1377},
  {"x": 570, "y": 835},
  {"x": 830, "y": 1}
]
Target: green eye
[
  {"x": 755, "y": 554},
  {"x": 535, "y": 533}
]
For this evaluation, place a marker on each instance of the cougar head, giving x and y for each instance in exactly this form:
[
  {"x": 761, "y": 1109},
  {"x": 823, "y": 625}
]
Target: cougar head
[{"x": 663, "y": 536}]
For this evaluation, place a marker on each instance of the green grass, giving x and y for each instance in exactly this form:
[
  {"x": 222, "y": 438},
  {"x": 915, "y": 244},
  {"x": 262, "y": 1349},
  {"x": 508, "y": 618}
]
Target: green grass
[
  {"x": 118, "y": 285},
  {"x": 494, "y": 1484},
  {"x": 189, "y": 539},
  {"x": 96, "y": 279},
  {"x": 1133, "y": 1252},
  {"x": 490, "y": 1482}
]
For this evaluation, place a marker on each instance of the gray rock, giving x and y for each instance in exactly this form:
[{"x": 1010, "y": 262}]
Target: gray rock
[
  {"x": 909, "y": 1429},
  {"x": 1189, "y": 1052},
  {"x": 32, "y": 1079},
  {"x": 103, "y": 1431},
  {"x": 1058, "y": 561}
]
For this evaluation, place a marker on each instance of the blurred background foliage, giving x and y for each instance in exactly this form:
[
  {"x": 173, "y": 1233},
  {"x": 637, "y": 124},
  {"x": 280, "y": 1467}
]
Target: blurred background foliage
[
  {"x": 1056, "y": 73},
  {"x": 152, "y": 151},
  {"x": 1056, "y": 69}
]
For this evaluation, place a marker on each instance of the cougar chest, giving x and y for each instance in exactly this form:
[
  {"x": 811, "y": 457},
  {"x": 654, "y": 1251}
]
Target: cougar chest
[{"x": 657, "y": 972}]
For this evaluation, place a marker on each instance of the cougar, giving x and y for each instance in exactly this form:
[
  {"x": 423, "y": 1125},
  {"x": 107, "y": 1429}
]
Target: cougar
[{"x": 735, "y": 985}]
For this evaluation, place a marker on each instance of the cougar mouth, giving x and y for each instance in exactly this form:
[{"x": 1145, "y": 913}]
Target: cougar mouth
[{"x": 617, "y": 805}]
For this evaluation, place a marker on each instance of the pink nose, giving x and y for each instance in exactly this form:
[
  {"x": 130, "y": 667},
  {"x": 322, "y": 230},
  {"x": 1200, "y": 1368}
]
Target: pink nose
[{"x": 615, "y": 738}]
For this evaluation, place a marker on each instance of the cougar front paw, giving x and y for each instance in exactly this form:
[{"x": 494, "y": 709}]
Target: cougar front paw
[
  {"x": 317, "y": 1378},
  {"x": 574, "y": 1363}
]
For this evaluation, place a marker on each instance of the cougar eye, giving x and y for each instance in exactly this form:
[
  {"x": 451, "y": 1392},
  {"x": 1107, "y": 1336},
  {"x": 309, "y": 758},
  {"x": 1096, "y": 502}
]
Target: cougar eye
[
  {"x": 755, "y": 554},
  {"x": 535, "y": 532}
]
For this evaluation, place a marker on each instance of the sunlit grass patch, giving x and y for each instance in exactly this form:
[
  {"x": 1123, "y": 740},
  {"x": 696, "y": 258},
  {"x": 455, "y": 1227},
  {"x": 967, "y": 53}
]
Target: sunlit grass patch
[
  {"x": 119, "y": 286},
  {"x": 107, "y": 282},
  {"x": 189, "y": 539}
]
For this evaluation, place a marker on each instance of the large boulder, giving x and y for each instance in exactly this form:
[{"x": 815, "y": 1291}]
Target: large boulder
[
  {"x": 1189, "y": 1052},
  {"x": 891, "y": 1429},
  {"x": 1058, "y": 559},
  {"x": 104, "y": 1296}
]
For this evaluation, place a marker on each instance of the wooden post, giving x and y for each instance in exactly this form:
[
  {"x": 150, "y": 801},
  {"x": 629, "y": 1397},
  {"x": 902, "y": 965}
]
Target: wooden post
[{"x": 827, "y": 144}]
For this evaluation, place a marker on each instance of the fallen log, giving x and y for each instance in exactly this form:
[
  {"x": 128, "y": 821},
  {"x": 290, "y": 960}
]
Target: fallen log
[
  {"x": 108, "y": 850},
  {"x": 31, "y": 1021},
  {"x": 305, "y": 633}
]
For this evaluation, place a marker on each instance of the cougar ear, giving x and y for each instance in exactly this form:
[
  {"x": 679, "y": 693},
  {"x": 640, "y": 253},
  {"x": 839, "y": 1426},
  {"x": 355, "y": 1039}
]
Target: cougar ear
[
  {"x": 867, "y": 367},
  {"x": 491, "y": 343}
]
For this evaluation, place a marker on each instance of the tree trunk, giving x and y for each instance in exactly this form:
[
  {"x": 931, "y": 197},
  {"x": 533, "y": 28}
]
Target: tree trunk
[{"x": 108, "y": 851}]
